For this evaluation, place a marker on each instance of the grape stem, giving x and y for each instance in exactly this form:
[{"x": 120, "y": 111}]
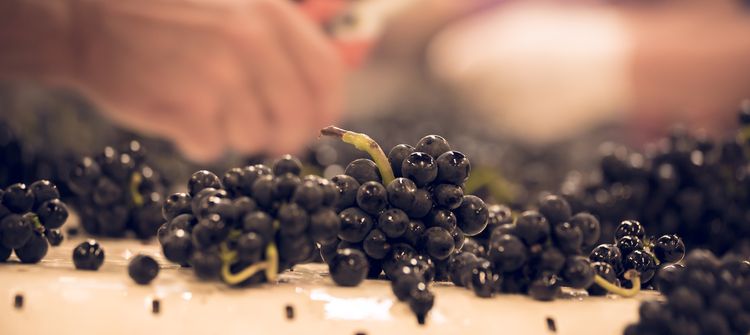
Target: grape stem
[
  {"x": 229, "y": 257},
  {"x": 135, "y": 182},
  {"x": 37, "y": 224},
  {"x": 631, "y": 275},
  {"x": 366, "y": 144}
]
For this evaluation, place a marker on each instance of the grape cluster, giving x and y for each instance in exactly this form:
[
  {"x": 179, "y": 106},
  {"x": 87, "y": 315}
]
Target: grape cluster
[
  {"x": 407, "y": 227},
  {"x": 633, "y": 250},
  {"x": 705, "y": 296},
  {"x": 535, "y": 253},
  {"x": 116, "y": 191},
  {"x": 685, "y": 183},
  {"x": 254, "y": 218},
  {"x": 30, "y": 220}
]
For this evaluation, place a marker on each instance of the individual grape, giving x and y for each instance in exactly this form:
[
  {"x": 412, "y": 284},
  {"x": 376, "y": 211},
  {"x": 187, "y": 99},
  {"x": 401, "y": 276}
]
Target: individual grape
[
  {"x": 143, "y": 269},
  {"x": 206, "y": 264},
  {"x": 330, "y": 192},
  {"x": 608, "y": 253},
  {"x": 555, "y": 208},
  {"x": 243, "y": 206},
  {"x": 433, "y": 145},
  {"x": 401, "y": 193},
  {"x": 702, "y": 259},
  {"x": 178, "y": 247},
  {"x": 284, "y": 186},
  {"x": 642, "y": 262},
  {"x": 453, "y": 167},
  {"x": 685, "y": 302},
  {"x": 420, "y": 168},
  {"x": 106, "y": 192},
  {"x": 551, "y": 259},
  {"x": 15, "y": 231},
  {"x": 376, "y": 244},
  {"x": 404, "y": 281},
  {"x": 233, "y": 182},
  {"x": 422, "y": 204},
  {"x": 183, "y": 221},
  {"x": 568, "y": 238},
  {"x": 287, "y": 164},
  {"x": 630, "y": 228},
  {"x": 472, "y": 215},
  {"x": 363, "y": 170},
  {"x": 210, "y": 231},
  {"x": 474, "y": 247},
  {"x": 442, "y": 218},
  {"x": 545, "y": 288},
  {"x": 250, "y": 247},
  {"x": 347, "y": 187},
  {"x": 372, "y": 197},
  {"x": 203, "y": 179},
  {"x": 88, "y": 255},
  {"x": 34, "y": 249},
  {"x": 52, "y": 214},
  {"x": 448, "y": 195},
  {"x": 393, "y": 222},
  {"x": 668, "y": 277},
  {"x": 589, "y": 226},
  {"x": 43, "y": 190},
  {"x": 176, "y": 204},
  {"x": 400, "y": 254},
  {"x": 414, "y": 231},
  {"x": 293, "y": 219},
  {"x": 18, "y": 198},
  {"x": 497, "y": 215},
  {"x": 532, "y": 227},
  {"x": 578, "y": 272},
  {"x": 259, "y": 222},
  {"x": 628, "y": 244},
  {"x": 54, "y": 236},
  {"x": 460, "y": 268},
  {"x": 421, "y": 301},
  {"x": 481, "y": 281},
  {"x": 263, "y": 191},
  {"x": 507, "y": 252},
  {"x": 437, "y": 243},
  {"x": 355, "y": 224},
  {"x": 669, "y": 249},
  {"x": 397, "y": 155},
  {"x": 83, "y": 176},
  {"x": 324, "y": 226},
  {"x": 349, "y": 267},
  {"x": 309, "y": 195}
]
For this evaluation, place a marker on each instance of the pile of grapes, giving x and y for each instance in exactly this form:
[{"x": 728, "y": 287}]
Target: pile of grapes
[
  {"x": 116, "y": 191},
  {"x": 251, "y": 224},
  {"x": 685, "y": 183},
  {"x": 633, "y": 250},
  {"x": 403, "y": 216},
  {"x": 30, "y": 220},
  {"x": 705, "y": 296}
]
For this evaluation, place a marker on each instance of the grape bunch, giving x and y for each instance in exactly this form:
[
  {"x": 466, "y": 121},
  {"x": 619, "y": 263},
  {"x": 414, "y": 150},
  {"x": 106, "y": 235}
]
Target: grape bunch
[
  {"x": 686, "y": 183},
  {"x": 30, "y": 220},
  {"x": 251, "y": 224},
  {"x": 535, "y": 253},
  {"x": 633, "y": 250},
  {"x": 705, "y": 296},
  {"x": 116, "y": 191},
  {"x": 403, "y": 216}
]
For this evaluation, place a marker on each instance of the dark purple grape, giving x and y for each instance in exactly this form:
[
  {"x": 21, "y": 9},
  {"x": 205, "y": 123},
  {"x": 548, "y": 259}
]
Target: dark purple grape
[
  {"x": 43, "y": 190},
  {"x": 88, "y": 256},
  {"x": 293, "y": 219},
  {"x": 143, "y": 269},
  {"x": 355, "y": 224},
  {"x": 578, "y": 272},
  {"x": 309, "y": 195},
  {"x": 34, "y": 249},
  {"x": 203, "y": 179},
  {"x": 669, "y": 249},
  {"x": 54, "y": 236},
  {"x": 545, "y": 287},
  {"x": 420, "y": 168},
  {"x": 589, "y": 226},
  {"x": 437, "y": 242},
  {"x": 363, "y": 170},
  {"x": 507, "y": 252},
  {"x": 422, "y": 204},
  {"x": 433, "y": 145},
  {"x": 608, "y": 253},
  {"x": 414, "y": 231},
  {"x": 178, "y": 246},
  {"x": 393, "y": 222},
  {"x": 448, "y": 195},
  {"x": 555, "y": 208},
  {"x": 532, "y": 227},
  {"x": 630, "y": 228},
  {"x": 52, "y": 213},
  {"x": 472, "y": 215},
  {"x": 628, "y": 244},
  {"x": 284, "y": 186},
  {"x": 397, "y": 155},
  {"x": 347, "y": 187},
  {"x": 349, "y": 267},
  {"x": 15, "y": 231},
  {"x": 642, "y": 262},
  {"x": 287, "y": 164},
  {"x": 259, "y": 222},
  {"x": 376, "y": 244},
  {"x": 453, "y": 167},
  {"x": 176, "y": 204},
  {"x": 18, "y": 198},
  {"x": 568, "y": 238},
  {"x": 401, "y": 193},
  {"x": 605, "y": 271},
  {"x": 324, "y": 226},
  {"x": 206, "y": 264},
  {"x": 372, "y": 197}
]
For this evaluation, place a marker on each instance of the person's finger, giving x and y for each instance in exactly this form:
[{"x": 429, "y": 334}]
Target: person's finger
[
  {"x": 313, "y": 56},
  {"x": 279, "y": 87},
  {"x": 245, "y": 125}
]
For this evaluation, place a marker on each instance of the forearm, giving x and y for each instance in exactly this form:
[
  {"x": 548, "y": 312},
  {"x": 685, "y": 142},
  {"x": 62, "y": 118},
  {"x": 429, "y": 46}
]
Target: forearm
[{"x": 36, "y": 40}]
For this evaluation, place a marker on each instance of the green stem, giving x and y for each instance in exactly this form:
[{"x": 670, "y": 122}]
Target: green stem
[
  {"x": 37, "y": 223},
  {"x": 135, "y": 182},
  {"x": 366, "y": 144},
  {"x": 631, "y": 275},
  {"x": 229, "y": 257}
]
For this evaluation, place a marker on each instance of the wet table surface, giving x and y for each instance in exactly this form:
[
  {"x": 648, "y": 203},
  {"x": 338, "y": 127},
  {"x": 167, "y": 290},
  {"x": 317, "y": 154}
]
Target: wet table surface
[{"x": 61, "y": 300}]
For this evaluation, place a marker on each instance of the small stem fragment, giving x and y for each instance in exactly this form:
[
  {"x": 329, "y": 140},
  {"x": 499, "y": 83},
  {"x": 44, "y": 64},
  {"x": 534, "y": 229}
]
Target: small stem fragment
[
  {"x": 365, "y": 143},
  {"x": 135, "y": 182},
  {"x": 631, "y": 275}
]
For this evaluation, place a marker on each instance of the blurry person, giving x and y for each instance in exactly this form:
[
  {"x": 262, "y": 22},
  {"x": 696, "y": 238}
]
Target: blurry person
[
  {"x": 210, "y": 75},
  {"x": 547, "y": 69}
]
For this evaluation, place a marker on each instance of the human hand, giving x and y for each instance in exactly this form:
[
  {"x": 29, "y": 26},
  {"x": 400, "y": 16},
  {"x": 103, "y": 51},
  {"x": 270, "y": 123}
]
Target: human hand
[{"x": 246, "y": 75}]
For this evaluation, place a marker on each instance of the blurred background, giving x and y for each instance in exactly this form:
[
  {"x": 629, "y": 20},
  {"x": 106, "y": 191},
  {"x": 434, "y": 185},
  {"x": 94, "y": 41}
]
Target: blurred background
[{"x": 604, "y": 101}]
